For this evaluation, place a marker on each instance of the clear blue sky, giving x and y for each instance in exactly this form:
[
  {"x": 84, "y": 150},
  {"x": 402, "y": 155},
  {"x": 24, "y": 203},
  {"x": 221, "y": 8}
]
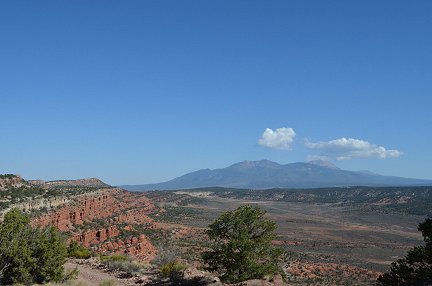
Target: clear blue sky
[{"x": 144, "y": 91}]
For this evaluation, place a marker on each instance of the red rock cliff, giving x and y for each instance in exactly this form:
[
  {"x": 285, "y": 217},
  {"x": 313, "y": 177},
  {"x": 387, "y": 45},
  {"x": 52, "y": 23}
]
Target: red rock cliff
[
  {"x": 97, "y": 205},
  {"x": 114, "y": 206}
]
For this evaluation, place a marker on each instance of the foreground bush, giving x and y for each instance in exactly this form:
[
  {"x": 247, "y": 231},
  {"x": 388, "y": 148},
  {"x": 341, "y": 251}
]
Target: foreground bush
[
  {"x": 122, "y": 263},
  {"x": 165, "y": 254},
  {"x": 76, "y": 250},
  {"x": 29, "y": 255},
  {"x": 242, "y": 246},
  {"x": 174, "y": 271},
  {"x": 416, "y": 267}
]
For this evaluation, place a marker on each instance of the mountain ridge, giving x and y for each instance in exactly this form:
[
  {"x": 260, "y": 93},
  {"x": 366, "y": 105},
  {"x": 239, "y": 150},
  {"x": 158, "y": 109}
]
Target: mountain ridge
[{"x": 265, "y": 174}]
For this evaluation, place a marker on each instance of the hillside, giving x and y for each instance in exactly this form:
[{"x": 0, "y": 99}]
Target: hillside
[{"x": 266, "y": 174}]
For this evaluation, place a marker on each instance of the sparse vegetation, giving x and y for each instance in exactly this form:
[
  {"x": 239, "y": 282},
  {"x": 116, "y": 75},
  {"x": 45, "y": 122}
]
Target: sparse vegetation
[
  {"x": 108, "y": 283},
  {"x": 122, "y": 263},
  {"x": 7, "y": 176},
  {"x": 165, "y": 254},
  {"x": 115, "y": 257}
]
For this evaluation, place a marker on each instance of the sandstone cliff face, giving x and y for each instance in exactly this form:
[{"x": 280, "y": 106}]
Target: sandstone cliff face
[
  {"x": 110, "y": 207},
  {"x": 96, "y": 236},
  {"x": 139, "y": 247},
  {"x": 96, "y": 205},
  {"x": 37, "y": 204},
  {"x": 90, "y": 211},
  {"x": 35, "y": 195}
]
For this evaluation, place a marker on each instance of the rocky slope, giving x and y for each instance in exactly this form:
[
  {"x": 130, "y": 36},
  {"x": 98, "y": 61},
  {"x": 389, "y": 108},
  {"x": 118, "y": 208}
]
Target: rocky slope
[
  {"x": 10, "y": 181},
  {"x": 102, "y": 220}
]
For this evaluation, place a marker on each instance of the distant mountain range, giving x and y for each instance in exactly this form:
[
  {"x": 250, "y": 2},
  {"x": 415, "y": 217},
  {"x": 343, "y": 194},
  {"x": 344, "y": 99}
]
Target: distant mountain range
[{"x": 266, "y": 174}]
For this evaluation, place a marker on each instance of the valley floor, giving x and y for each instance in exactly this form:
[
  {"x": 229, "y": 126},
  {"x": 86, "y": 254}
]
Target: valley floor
[{"x": 326, "y": 244}]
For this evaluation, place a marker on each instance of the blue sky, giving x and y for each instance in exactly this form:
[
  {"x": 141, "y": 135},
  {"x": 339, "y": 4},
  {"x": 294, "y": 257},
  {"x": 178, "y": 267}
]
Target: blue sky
[{"x": 144, "y": 91}]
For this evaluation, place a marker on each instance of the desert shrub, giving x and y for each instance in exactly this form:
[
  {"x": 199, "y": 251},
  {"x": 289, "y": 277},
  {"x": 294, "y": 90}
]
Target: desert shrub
[
  {"x": 174, "y": 271},
  {"x": 70, "y": 276},
  {"x": 241, "y": 245},
  {"x": 122, "y": 263},
  {"x": 29, "y": 255},
  {"x": 126, "y": 266},
  {"x": 108, "y": 283},
  {"x": 76, "y": 250},
  {"x": 165, "y": 254}
]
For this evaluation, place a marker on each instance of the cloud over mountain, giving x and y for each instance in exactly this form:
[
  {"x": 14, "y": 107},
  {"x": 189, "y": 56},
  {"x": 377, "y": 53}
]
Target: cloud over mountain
[
  {"x": 349, "y": 148},
  {"x": 281, "y": 138}
]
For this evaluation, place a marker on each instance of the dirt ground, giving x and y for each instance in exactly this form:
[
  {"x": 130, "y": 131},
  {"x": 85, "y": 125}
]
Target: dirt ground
[{"x": 89, "y": 276}]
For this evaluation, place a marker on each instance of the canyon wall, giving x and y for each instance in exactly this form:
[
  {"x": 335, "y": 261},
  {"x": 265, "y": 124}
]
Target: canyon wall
[
  {"x": 106, "y": 209},
  {"x": 95, "y": 205}
]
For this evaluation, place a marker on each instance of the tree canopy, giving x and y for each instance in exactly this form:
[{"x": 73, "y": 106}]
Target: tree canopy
[
  {"x": 416, "y": 267},
  {"x": 241, "y": 245},
  {"x": 29, "y": 255}
]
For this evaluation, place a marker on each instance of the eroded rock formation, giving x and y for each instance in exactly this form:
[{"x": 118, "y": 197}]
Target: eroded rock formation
[
  {"x": 93, "y": 220},
  {"x": 139, "y": 247},
  {"x": 96, "y": 205}
]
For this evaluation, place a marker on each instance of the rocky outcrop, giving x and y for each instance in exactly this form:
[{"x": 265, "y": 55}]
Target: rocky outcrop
[
  {"x": 91, "y": 237},
  {"x": 139, "y": 247},
  {"x": 10, "y": 181}
]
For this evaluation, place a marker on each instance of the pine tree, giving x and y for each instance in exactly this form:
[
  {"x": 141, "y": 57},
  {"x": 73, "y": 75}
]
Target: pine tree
[
  {"x": 29, "y": 255},
  {"x": 242, "y": 246}
]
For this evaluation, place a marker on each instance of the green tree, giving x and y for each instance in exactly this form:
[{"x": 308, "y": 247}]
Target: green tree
[
  {"x": 29, "y": 255},
  {"x": 50, "y": 252},
  {"x": 16, "y": 259},
  {"x": 241, "y": 247},
  {"x": 416, "y": 267}
]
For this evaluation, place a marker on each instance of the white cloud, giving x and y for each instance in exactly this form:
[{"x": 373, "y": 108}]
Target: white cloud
[
  {"x": 280, "y": 138},
  {"x": 349, "y": 148}
]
